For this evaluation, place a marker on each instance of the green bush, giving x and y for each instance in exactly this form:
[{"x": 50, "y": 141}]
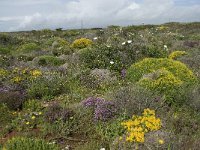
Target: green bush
[
  {"x": 50, "y": 61},
  {"x": 154, "y": 51},
  {"x": 21, "y": 143},
  {"x": 47, "y": 86},
  {"x": 6, "y": 39},
  {"x": 149, "y": 65},
  {"x": 28, "y": 48},
  {"x": 160, "y": 80},
  {"x": 4, "y": 50},
  {"x": 101, "y": 57},
  {"x": 162, "y": 75},
  {"x": 5, "y": 116},
  {"x": 32, "y": 105}
]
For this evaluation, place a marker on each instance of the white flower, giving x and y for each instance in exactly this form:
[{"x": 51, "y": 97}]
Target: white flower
[
  {"x": 108, "y": 45},
  {"x": 165, "y": 46},
  {"x": 111, "y": 62},
  {"x": 95, "y": 38},
  {"x": 129, "y": 41},
  {"x": 123, "y": 43},
  {"x": 102, "y": 149}
]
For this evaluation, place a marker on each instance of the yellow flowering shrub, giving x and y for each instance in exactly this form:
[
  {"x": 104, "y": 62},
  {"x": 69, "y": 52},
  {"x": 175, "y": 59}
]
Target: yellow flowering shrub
[
  {"x": 161, "y": 80},
  {"x": 18, "y": 75},
  {"x": 176, "y": 54},
  {"x": 149, "y": 65},
  {"x": 17, "y": 79},
  {"x": 36, "y": 73},
  {"x": 3, "y": 72},
  {"x": 81, "y": 43},
  {"x": 139, "y": 125}
]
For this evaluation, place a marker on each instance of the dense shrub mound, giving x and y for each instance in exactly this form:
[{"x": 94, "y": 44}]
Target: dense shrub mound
[
  {"x": 60, "y": 46},
  {"x": 162, "y": 75},
  {"x": 50, "y": 61},
  {"x": 81, "y": 43},
  {"x": 149, "y": 65},
  {"x": 28, "y": 47}
]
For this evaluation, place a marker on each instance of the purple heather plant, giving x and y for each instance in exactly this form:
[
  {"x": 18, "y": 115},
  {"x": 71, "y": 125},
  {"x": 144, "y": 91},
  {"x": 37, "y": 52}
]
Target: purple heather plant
[
  {"x": 123, "y": 73},
  {"x": 103, "y": 110}
]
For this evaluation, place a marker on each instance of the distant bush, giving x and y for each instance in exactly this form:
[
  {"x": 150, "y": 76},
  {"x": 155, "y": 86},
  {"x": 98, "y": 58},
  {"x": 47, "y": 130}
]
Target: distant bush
[
  {"x": 81, "y": 43},
  {"x": 28, "y": 48},
  {"x": 49, "y": 61},
  {"x": 21, "y": 143},
  {"x": 6, "y": 39}
]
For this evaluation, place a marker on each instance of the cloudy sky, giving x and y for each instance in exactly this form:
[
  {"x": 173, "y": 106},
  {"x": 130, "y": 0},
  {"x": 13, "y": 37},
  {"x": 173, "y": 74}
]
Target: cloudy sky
[{"x": 20, "y": 15}]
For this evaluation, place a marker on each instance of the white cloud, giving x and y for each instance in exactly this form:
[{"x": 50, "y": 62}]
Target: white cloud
[{"x": 96, "y": 13}]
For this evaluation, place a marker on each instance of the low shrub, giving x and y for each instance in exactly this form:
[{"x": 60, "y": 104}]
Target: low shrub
[
  {"x": 103, "y": 110},
  {"x": 177, "y": 54},
  {"x": 4, "y": 50},
  {"x": 160, "y": 80},
  {"x": 163, "y": 76},
  {"x": 55, "y": 113},
  {"x": 28, "y": 48},
  {"x": 61, "y": 46},
  {"x": 5, "y": 116},
  {"x": 50, "y": 61},
  {"x": 12, "y": 99},
  {"x": 102, "y": 57},
  {"x": 149, "y": 65},
  {"x": 154, "y": 51},
  {"x": 47, "y": 86},
  {"x": 139, "y": 125},
  {"x": 134, "y": 99},
  {"x": 81, "y": 43},
  {"x": 21, "y": 143}
]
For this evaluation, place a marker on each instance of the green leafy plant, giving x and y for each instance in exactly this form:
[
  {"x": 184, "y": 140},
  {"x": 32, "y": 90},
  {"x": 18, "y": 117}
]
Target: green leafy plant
[
  {"x": 28, "y": 47},
  {"x": 47, "y": 86},
  {"x": 50, "y": 61},
  {"x": 149, "y": 65},
  {"x": 20, "y": 143}
]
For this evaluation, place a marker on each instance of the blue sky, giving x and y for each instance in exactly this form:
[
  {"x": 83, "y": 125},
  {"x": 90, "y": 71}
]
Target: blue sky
[{"x": 18, "y": 15}]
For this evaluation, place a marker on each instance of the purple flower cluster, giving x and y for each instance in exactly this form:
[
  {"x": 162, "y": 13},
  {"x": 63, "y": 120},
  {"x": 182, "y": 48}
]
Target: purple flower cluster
[{"x": 103, "y": 110}]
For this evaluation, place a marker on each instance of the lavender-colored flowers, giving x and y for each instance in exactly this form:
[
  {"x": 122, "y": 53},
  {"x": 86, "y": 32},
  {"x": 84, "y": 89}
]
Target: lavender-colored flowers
[
  {"x": 123, "y": 73},
  {"x": 103, "y": 110}
]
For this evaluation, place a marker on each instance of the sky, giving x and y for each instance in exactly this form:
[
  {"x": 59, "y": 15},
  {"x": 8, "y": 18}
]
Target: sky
[{"x": 20, "y": 15}]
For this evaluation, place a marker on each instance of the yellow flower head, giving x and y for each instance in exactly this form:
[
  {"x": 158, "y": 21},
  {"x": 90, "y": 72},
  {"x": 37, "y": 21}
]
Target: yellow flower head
[
  {"x": 33, "y": 117},
  {"x": 161, "y": 141},
  {"x": 36, "y": 73},
  {"x": 17, "y": 79},
  {"x": 27, "y": 123}
]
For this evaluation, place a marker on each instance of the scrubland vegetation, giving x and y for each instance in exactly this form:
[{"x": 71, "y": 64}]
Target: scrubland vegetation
[{"x": 118, "y": 88}]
